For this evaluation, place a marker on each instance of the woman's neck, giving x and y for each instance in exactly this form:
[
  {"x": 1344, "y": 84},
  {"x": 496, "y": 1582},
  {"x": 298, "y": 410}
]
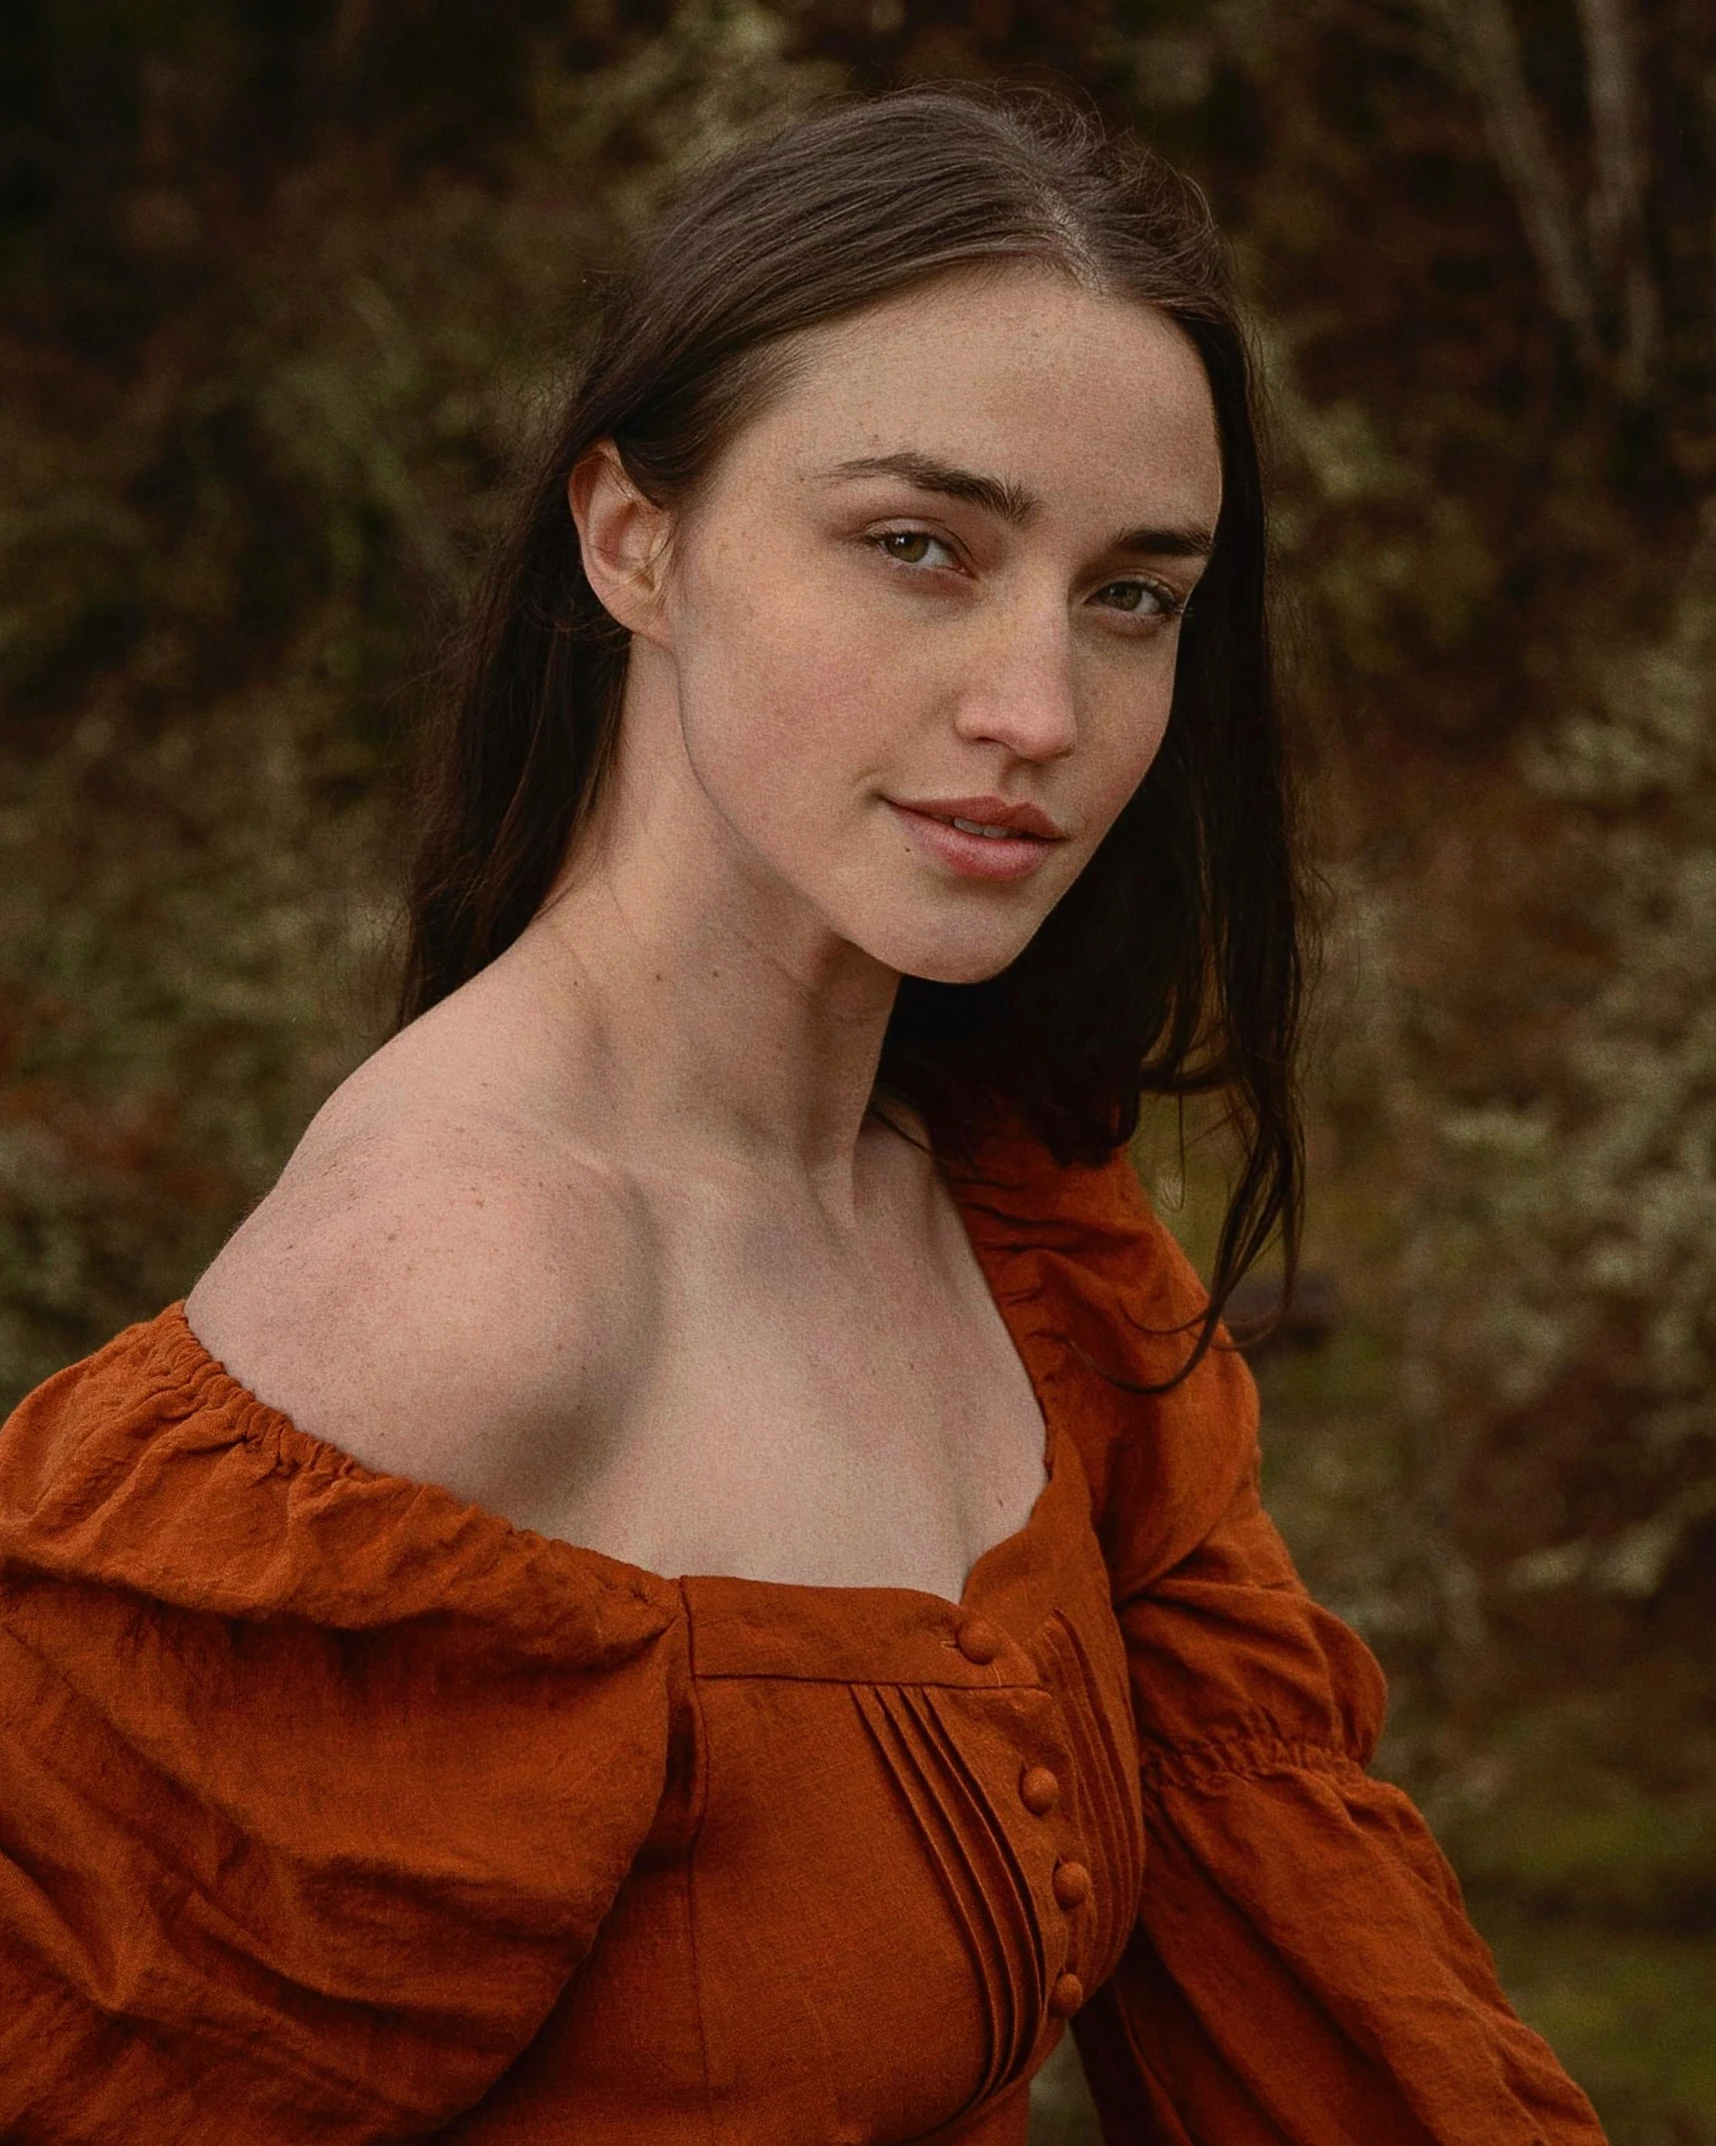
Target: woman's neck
[{"x": 702, "y": 1011}]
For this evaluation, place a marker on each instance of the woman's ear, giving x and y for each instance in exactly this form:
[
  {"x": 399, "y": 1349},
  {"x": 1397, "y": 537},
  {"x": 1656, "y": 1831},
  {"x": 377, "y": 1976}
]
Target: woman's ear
[{"x": 624, "y": 540}]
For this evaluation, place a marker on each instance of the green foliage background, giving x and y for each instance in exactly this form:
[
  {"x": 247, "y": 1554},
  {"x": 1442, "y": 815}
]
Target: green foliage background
[{"x": 285, "y": 288}]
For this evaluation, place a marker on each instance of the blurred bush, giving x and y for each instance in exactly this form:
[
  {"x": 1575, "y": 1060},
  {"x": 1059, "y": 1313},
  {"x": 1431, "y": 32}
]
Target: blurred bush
[{"x": 283, "y": 292}]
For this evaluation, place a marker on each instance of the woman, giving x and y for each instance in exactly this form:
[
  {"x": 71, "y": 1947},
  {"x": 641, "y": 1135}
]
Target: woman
[{"x": 693, "y": 1571}]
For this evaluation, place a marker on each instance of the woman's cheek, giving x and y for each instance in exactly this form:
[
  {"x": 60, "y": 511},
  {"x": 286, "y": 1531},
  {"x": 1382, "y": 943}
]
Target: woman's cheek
[{"x": 1133, "y": 752}]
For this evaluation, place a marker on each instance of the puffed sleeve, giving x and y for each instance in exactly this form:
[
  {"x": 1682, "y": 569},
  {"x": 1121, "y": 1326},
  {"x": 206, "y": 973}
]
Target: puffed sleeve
[
  {"x": 1302, "y": 1972},
  {"x": 315, "y": 1784}
]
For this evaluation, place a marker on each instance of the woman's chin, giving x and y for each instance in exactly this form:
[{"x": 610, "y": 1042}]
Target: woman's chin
[{"x": 962, "y": 958}]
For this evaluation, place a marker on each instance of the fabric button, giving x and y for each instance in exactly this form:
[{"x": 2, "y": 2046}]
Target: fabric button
[
  {"x": 1072, "y": 1885},
  {"x": 978, "y": 1640},
  {"x": 1066, "y": 1996},
  {"x": 1039, "y": 1791}
]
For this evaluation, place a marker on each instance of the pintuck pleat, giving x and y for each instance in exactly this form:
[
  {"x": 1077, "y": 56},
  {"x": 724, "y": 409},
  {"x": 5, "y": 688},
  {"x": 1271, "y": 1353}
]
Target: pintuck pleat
[
  {"x": 1002, "y": 1885},
  {"x": 957, "y": 1819},
  {"x": 905, "y": 1763},
  {"x": 1108, "y": 1820}
]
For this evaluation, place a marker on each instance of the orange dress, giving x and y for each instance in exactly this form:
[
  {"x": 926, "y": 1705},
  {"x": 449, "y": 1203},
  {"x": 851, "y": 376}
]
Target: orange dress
[{"x": 333, "y": 1809}]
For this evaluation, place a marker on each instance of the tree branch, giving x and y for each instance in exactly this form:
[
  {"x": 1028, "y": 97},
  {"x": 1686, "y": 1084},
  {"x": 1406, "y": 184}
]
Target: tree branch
[
  {"x": 1616, "y": 216},
  {"x": 1485, "y": 34}
]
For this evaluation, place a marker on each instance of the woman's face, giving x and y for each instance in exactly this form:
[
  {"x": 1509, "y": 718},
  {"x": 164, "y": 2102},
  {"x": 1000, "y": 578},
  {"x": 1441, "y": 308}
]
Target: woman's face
[{"x": 921, "y": 622}]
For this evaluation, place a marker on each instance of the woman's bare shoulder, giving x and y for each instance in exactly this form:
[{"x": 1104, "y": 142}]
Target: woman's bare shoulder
[{"x": 437, "y": 1296}]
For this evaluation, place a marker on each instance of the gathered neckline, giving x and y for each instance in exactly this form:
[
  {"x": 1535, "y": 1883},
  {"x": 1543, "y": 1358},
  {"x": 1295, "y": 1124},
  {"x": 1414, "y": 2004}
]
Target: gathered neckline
[{"x": 260, "y": 1424}]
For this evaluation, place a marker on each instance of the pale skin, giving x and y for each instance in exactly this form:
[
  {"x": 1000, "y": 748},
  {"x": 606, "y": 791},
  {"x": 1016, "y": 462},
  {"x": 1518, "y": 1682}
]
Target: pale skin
[{"x": 613, "y": 1242}]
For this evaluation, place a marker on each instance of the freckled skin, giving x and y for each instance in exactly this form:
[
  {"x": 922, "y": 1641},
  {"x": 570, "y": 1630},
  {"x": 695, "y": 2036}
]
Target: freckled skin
[
  {"x": 612, "y": 1240},
  {"x": 789, "y": 675}
]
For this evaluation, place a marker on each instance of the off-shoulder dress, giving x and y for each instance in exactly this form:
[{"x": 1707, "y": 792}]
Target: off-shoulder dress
[{"x": 333, "y": 1809}]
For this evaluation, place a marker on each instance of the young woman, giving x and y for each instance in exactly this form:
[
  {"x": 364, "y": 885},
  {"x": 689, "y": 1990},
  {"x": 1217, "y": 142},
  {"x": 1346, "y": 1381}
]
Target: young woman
[{"x": 694, "y": 1571}]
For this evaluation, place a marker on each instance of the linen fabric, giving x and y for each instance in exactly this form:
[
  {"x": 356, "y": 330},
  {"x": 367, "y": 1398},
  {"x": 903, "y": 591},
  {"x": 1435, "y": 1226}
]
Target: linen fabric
[{"x": 333, "y": 1809}]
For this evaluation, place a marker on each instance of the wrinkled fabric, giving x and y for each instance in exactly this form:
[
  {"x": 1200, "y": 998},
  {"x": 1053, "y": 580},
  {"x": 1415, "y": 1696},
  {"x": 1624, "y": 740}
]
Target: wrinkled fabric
[
  {"x": 333, "y": 1809},
  {"x": 1302, "y": 1972}
]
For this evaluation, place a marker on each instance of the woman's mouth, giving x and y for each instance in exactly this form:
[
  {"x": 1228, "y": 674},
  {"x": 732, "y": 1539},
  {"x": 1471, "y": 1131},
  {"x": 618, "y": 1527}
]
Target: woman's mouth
[{"x": 980, "y": 838}]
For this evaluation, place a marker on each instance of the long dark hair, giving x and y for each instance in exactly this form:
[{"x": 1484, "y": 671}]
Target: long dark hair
[{"x": 1173, "y": 966}]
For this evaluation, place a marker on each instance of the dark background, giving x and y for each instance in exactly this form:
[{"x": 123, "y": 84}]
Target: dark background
[{"x": 284, "y": 287}]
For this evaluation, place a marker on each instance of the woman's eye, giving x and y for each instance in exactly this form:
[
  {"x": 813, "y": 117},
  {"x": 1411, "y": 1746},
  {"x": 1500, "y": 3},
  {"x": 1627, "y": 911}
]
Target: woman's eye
[
  {"x": 1139, "y": 599},
  {"x": 914, "y": 547}
]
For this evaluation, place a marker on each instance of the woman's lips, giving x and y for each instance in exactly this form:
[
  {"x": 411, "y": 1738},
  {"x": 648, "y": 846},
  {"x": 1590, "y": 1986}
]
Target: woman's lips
[{"x": 1012, "y": 853}]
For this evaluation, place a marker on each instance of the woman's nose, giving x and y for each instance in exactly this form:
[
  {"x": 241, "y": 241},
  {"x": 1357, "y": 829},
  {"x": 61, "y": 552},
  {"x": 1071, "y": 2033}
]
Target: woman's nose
[{"x": 1019, "y": 691}]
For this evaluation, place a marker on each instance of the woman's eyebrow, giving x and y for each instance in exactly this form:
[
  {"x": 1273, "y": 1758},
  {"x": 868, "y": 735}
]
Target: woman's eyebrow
[
  {"x": 1191, "y": 541},
  {"x": 1010, "y": 502}
]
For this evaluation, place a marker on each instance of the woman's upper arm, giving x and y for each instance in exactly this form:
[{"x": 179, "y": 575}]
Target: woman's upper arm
[
  {"x": 315, "y": 1786},
  {"x": 1302, "y": 1972}
]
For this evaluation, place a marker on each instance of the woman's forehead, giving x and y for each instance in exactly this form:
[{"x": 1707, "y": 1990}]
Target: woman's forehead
[{"x": 1043, "y": 386}]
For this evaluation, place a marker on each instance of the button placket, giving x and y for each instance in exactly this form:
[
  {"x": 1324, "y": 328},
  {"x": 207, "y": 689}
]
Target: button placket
[
  {"x": 1066, "y": 1996},
  {"x": 978, "y": 1640},
  {"x": 1039, "y": 1790},
  {"x": 1071, "y": 1884},
  {"x": 1040, "y": 1793}
]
